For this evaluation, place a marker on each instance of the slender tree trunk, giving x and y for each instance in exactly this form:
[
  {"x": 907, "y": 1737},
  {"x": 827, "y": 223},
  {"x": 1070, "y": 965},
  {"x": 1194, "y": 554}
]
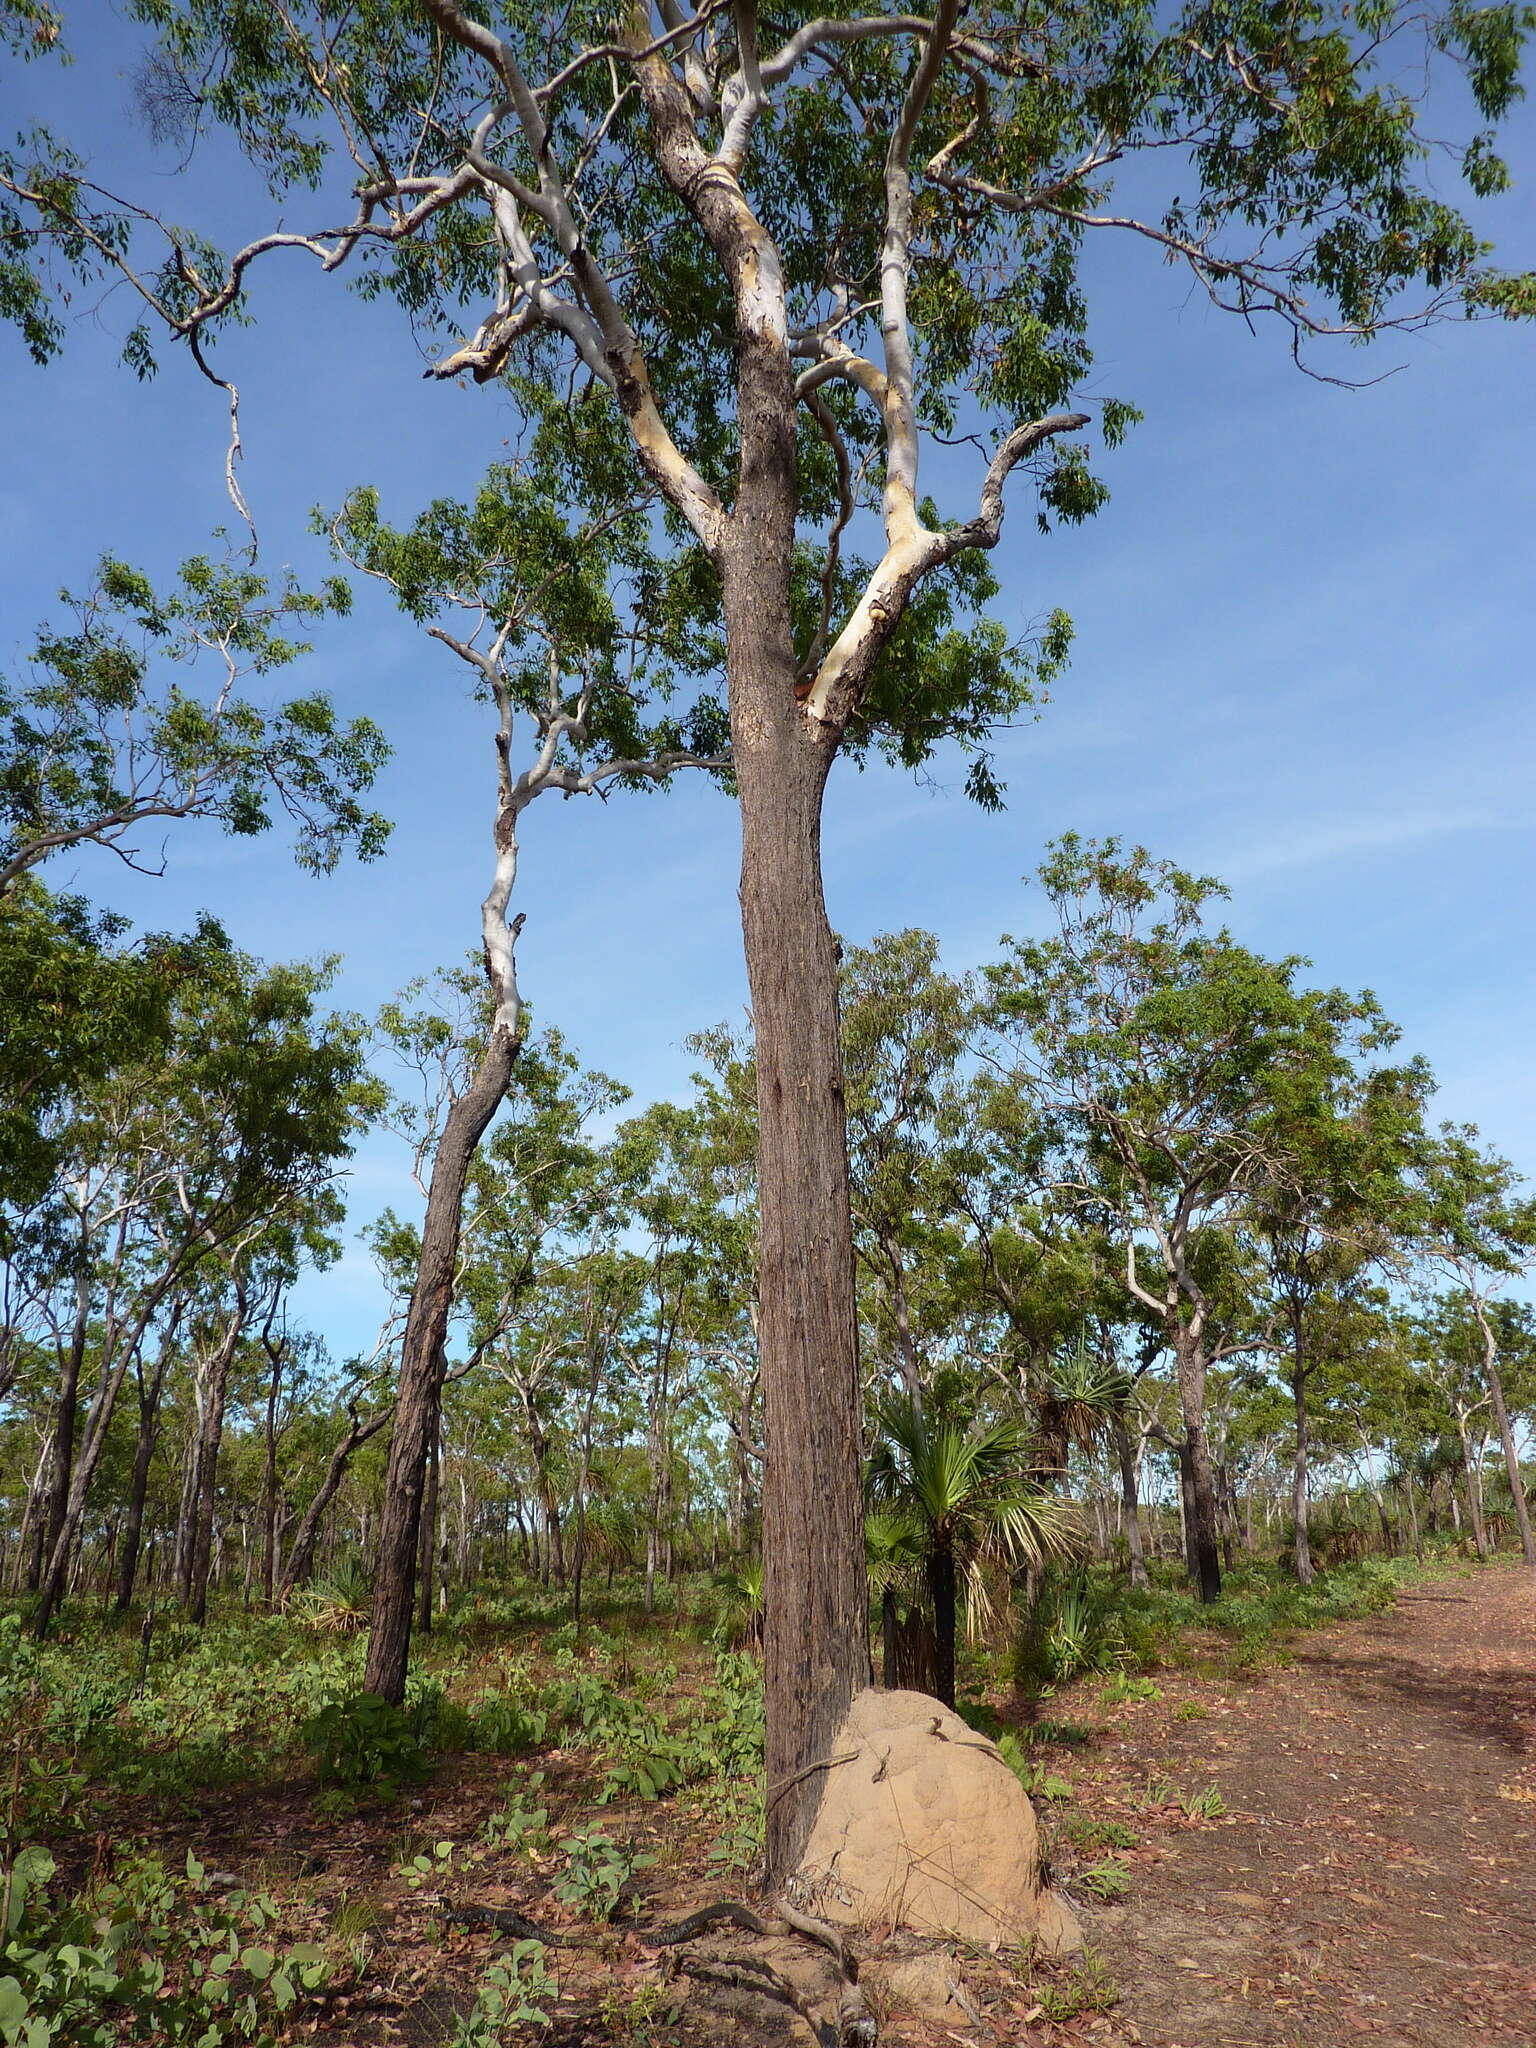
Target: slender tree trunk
[
  {"x": 1413, "y": 1515},
  {"x": 1511, "y": 1454},
  {"x": 138, "y": 1488},
  {"x": 113, "y": 1372},
  {"x": 1128, "y": 1495},
  {"x": 1474, "y": 1491},
  {"x": 186, "y": 1506},
  {"x": 1205, "y": 1563},
  {"x": 277, "y": 1355},
  {"x": 1304, "y": 1571},
  {"x": 427, "y": 1559},
  {"x": 816, "y": 1649},
  {"x": 301, "y": 1555},
  {"x": 27, "y": 1572},
  {"x": 426, "y": 1330},
  {"x": 583, "y": 1483},
  {"x": 210, "y": 1439},
  {"x": 1226, "y": 1516},
  {"x": 61, "y": 1462}
]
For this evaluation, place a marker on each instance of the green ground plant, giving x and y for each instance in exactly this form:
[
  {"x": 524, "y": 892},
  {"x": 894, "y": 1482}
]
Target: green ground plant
[
  {"x": 515, "y": 1991},
  {"x": 1107, "y": 1880},
  {"x": 598, "y": 1870},
  {"x": 145, "y": 1956}
]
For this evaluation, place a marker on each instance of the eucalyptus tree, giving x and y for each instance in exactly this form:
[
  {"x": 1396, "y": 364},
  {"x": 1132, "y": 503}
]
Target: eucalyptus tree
[
  {"x": 783, "y": 260},
  {"x": 682, "y": 1192},
  {"x": 1447, "y": 1347},
  {"x": 1479, "y": 1231},
  {"x": 904, "y": 1035},
  {"x": 1340, "y": 1212},
  {"x": 1180, "y": 1073},
  {"x": 75, "y": 999},
  {"x": 546, "y": 604},
  {"x": 110, "y": 733},
  {"x": 236, "y": 1131}
]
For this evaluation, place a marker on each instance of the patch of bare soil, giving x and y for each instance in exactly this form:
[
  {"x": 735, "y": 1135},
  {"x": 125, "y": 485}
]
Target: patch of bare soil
[{"x": 1374, "y": 1879}]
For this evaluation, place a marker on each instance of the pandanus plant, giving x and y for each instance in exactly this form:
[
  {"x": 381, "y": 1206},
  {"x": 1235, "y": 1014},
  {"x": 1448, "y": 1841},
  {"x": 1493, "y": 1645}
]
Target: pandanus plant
[{"x": 962, "y": 1493}]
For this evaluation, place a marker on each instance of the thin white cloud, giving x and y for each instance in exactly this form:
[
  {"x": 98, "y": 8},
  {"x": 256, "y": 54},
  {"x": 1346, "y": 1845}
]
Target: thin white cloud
[{"x": 1309, "y": 844}]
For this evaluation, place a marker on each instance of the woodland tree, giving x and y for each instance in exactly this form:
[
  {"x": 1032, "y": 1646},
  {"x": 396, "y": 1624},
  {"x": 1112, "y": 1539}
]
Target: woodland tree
[
  {"x": 779, "y": 259},
  {"x": 1183, "y": 1075}
]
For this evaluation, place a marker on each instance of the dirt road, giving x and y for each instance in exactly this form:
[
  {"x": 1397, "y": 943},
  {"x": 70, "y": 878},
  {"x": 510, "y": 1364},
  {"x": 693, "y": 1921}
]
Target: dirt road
[{"x": 1375, "y": 1879}]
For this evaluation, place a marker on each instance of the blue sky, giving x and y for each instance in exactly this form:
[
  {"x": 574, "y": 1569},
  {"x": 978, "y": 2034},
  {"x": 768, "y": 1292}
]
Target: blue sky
[{"x": 1306, "y": 637}]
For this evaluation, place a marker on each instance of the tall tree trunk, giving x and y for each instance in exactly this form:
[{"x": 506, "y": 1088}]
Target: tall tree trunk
[
  {"x": 426, "y": 1562},
  {"x": 277, "y": 1355},
  {"x": 27, "y": 1572},
  {"x": 1413, "y": 1515},
  {"x": 1205, "y": 1563},
  {"x": 816, "y": 1649},
  {"x": 1474, "y": 1491},
  {"x": 1304, "y": 1571},
  {"x": 1125, "y": 1454},
  {"x": 426, "y": 1331},
  {"x": 61, "y": 1461},
  {"x": 210, "y": 1438},
  {"x": 1226, "y": 1516},
  {"x": 150, "y": 1391}
]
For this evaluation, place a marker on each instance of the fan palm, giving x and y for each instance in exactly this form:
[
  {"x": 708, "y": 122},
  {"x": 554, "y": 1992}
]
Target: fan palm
[
  {"x": 963, "y": 1496},
  {"x": 1078, "y": 1400},
  {"x": 894, "y": 1552}
]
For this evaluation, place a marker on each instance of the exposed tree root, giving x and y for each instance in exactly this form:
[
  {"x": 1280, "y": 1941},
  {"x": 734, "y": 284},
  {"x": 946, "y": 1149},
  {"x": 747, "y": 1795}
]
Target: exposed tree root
[{"x": 854, "y": 2026}]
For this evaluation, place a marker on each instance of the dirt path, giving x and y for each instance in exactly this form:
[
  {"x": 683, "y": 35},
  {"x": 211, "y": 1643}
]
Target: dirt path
[{"x": 1375, "y": 1878}]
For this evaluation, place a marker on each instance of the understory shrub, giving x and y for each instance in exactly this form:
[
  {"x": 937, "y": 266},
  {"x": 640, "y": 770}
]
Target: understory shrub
[
  {"x": 144, "y": 1956},
  {"x": 365, "y": 1742}
]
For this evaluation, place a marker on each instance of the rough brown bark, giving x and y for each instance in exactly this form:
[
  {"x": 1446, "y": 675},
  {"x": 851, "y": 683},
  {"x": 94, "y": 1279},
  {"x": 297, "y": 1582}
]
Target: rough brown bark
[
  {"x": 1205, "y": 1561},
  {"x": 426, "y": 1329},
  {"x": 816, "y": 1651}
]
